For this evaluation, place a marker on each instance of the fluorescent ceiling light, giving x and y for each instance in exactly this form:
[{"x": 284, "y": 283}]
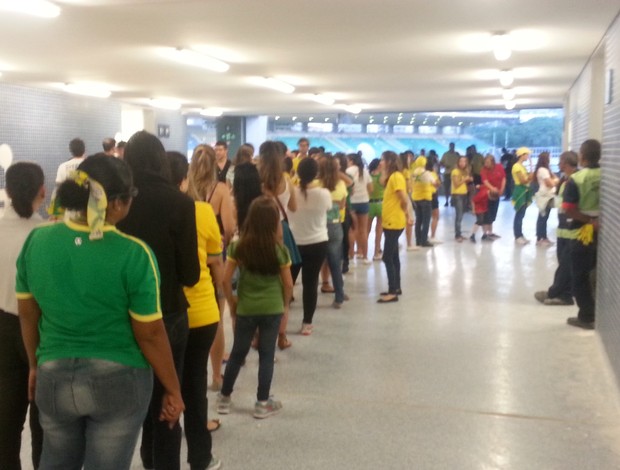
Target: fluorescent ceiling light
[
  {"x": 510, "y": 104},
  {"x": 277, "y": 85},
  {"x": 164, "y": 103},
  {"x": 40, "y": 8},
  {"x": 501, "y": 46},
  {"x": 323, "y": 99},
  {"x": 196, "y": 59},
  {"x": 212, "y": 112},
  {"x": 506, "y": 78},
  {"x": 508, "y": 94},
  {"x": 87, "y": 89},
  {"x": 351, "y": 108}
]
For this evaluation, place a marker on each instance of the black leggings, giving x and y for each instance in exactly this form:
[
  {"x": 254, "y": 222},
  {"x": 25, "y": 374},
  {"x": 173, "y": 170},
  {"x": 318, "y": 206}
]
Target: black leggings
[{"x": 312, "y": 257}]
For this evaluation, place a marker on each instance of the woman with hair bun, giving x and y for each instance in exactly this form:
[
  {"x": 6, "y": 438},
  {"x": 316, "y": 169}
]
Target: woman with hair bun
[
  {"x": 89, "y": 306},
  {"x": 24, "y": 186}
]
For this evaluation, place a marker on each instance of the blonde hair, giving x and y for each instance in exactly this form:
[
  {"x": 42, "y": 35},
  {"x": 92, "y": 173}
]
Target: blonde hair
[{"x": 202, "y": 173}]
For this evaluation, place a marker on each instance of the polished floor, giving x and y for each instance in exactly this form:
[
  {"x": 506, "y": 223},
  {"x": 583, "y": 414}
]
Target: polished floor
[{"x": 466, "y": 371}]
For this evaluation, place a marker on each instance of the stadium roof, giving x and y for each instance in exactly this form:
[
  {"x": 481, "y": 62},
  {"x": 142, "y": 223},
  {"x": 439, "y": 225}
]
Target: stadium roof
[{"x": 383, "y": 56}]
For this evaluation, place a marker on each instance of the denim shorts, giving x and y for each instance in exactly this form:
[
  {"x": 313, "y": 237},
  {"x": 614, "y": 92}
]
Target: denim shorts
[{"x": 360, "y": 208}]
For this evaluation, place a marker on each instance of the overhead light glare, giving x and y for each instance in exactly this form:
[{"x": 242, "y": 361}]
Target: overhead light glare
[
  {"x": 508, "y": 94},
  {"x": 197, "y": 59},
  {"x": 87, "y": 89},
  {"x": 506, "y": 77},
  {"x": 277, "y": 118},
  {"x": 510, "y": 105},
  {"x": 213, "y": 112},
  {"x": 501, "y": 46},
  {"x": 163, "y": 103},
  {"x": 350, "y": 108},
  {"x": 323, "y": 99},
  {"x": 40, "y": 8},
  {"x": 294, "y": 118},
  {"x": 277, "y": 85},
  {"x": 311, "y": 118}
]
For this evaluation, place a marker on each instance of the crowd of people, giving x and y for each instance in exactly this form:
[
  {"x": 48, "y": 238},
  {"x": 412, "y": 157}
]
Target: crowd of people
[{"x": 152, "y": 246}]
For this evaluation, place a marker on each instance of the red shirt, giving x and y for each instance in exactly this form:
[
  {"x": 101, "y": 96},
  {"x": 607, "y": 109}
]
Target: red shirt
[
  {"x": 481, "y": 200},
  {"x": 494, "y": 176}
]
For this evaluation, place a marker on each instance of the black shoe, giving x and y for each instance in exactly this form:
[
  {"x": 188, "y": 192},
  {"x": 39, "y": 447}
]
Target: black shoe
[
  {"x": 427, "y": 245},
  {"x": 398, "y": 292},
  {"x": 575, "y": 321},
  {"x": 541, "y": 296},
  {"x": 472, "y": 239}
]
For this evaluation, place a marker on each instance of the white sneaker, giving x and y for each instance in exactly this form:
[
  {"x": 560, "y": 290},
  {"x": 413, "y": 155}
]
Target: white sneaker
[
  {"x": 434, "y": 241},
  {"x": 413, "y": 248},
  {"x": 223, "y": 404},
  {"x": 522, "y": 241},
  {"x": 366, "y": 261}
]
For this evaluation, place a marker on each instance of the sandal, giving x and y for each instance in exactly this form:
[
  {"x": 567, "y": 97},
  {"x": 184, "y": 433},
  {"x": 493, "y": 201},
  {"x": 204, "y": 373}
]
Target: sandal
[
  {"x": 213, "y": 425},
  {"x": 327, "y": 289},
  {"x": 283, "y": 342}
]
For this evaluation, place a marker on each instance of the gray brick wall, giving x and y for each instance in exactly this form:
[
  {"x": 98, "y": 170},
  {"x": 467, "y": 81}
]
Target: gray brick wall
[
  {"x": 38, "y": 125},
  {"x": 608, "y": 290}
]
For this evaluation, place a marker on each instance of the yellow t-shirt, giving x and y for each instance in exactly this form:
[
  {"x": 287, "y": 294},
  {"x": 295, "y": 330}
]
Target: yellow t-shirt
[
  {"x": 462, "y": 189},
  {"x": 338, "y": 194},
  {"x": 392, "y": 214},
  {"x": 516, "y": 169},
  {"x": 407, "y": 175},
  {"x": 422, "y": 185},
  {"x": 203, "y": 309}
]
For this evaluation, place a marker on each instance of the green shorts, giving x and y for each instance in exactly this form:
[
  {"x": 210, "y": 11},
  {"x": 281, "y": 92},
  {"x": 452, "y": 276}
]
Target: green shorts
[{"x": 375, "y": 209}]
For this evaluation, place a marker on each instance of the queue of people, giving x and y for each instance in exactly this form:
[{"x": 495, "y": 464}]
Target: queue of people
[{"x": 152, "y": 248}]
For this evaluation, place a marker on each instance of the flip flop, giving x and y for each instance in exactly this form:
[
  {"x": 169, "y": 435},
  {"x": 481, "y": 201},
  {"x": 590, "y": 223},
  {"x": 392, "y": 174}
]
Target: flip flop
[{"x": 217, "y": 424}]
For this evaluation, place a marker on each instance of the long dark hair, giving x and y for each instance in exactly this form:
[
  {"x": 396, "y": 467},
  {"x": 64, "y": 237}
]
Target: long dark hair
[
  {"x": 246, "y": 188},
  {"x": 256, "y": 249},
  {"x": 307, "y": 171},
  {"x": 113, "y": 174},
  {"x": 543, "y": 161},
  {"x": 23, "y": 183},
  {"x": 356, "y": 159},
  {"x": 270, "y": 166},
  {"x": 178, "y": 166},
  {"x": 392, "y": 162},
  {"x": 146, "y": 154},
  {"x": 328, "y": 172}
]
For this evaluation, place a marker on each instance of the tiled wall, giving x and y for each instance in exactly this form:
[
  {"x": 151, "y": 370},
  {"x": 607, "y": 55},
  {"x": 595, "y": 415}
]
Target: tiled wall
[
  {"x": 581, "y": 123},
  {"x": 608, "y": 307},
  {"x": 39, "y": 124},
  {"x": 579, "y": 109}
]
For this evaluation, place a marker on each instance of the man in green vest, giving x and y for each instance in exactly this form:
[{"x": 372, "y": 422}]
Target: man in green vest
[{"x": 581, "y": 204}]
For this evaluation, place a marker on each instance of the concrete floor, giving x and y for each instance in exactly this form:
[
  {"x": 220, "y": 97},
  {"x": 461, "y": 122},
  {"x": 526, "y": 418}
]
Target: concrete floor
[{"x": 466, "y": 371}]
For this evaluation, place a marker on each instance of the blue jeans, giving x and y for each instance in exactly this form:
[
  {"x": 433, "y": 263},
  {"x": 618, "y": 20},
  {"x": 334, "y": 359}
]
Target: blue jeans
[
  {"x": 423, "y": 212},
  {"x": 391, "y": 259},
  {"x": 91, "y": 411},
  {"x": 245, "y": 327},
  {"x": 517, "y": 224},
  {"x": 334, "y": 259},
  {"x": 459, "y": 201}
]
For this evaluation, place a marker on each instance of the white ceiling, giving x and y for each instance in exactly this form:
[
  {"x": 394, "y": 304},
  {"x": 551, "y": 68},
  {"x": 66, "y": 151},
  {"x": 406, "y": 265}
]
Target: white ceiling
[{"x": 384, "y": 55}]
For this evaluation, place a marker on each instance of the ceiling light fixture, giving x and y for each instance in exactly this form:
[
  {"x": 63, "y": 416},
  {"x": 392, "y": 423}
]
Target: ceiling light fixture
[
  {"x": 87, "y": 89},
  {"x": 214, "y": 112},
  {"x": 277, "y": 118},
  {"x": 510, "y": 105},
  {"x": 311, "y": 118},
  {"x": 323, "y": 99},
  {"x": 506, "y": 77},
  {"x": 294, "y": 118},
  {"x": 501, "y": 46},
  {"x": 40, "y": 8},
  {"x": 353, "y": 109},
  {"x": 508, "y": 94},
  {"x": 196, "y": 59},
  {"x": 277, "y": 85},
  {"x": 164, "y": 103}
]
